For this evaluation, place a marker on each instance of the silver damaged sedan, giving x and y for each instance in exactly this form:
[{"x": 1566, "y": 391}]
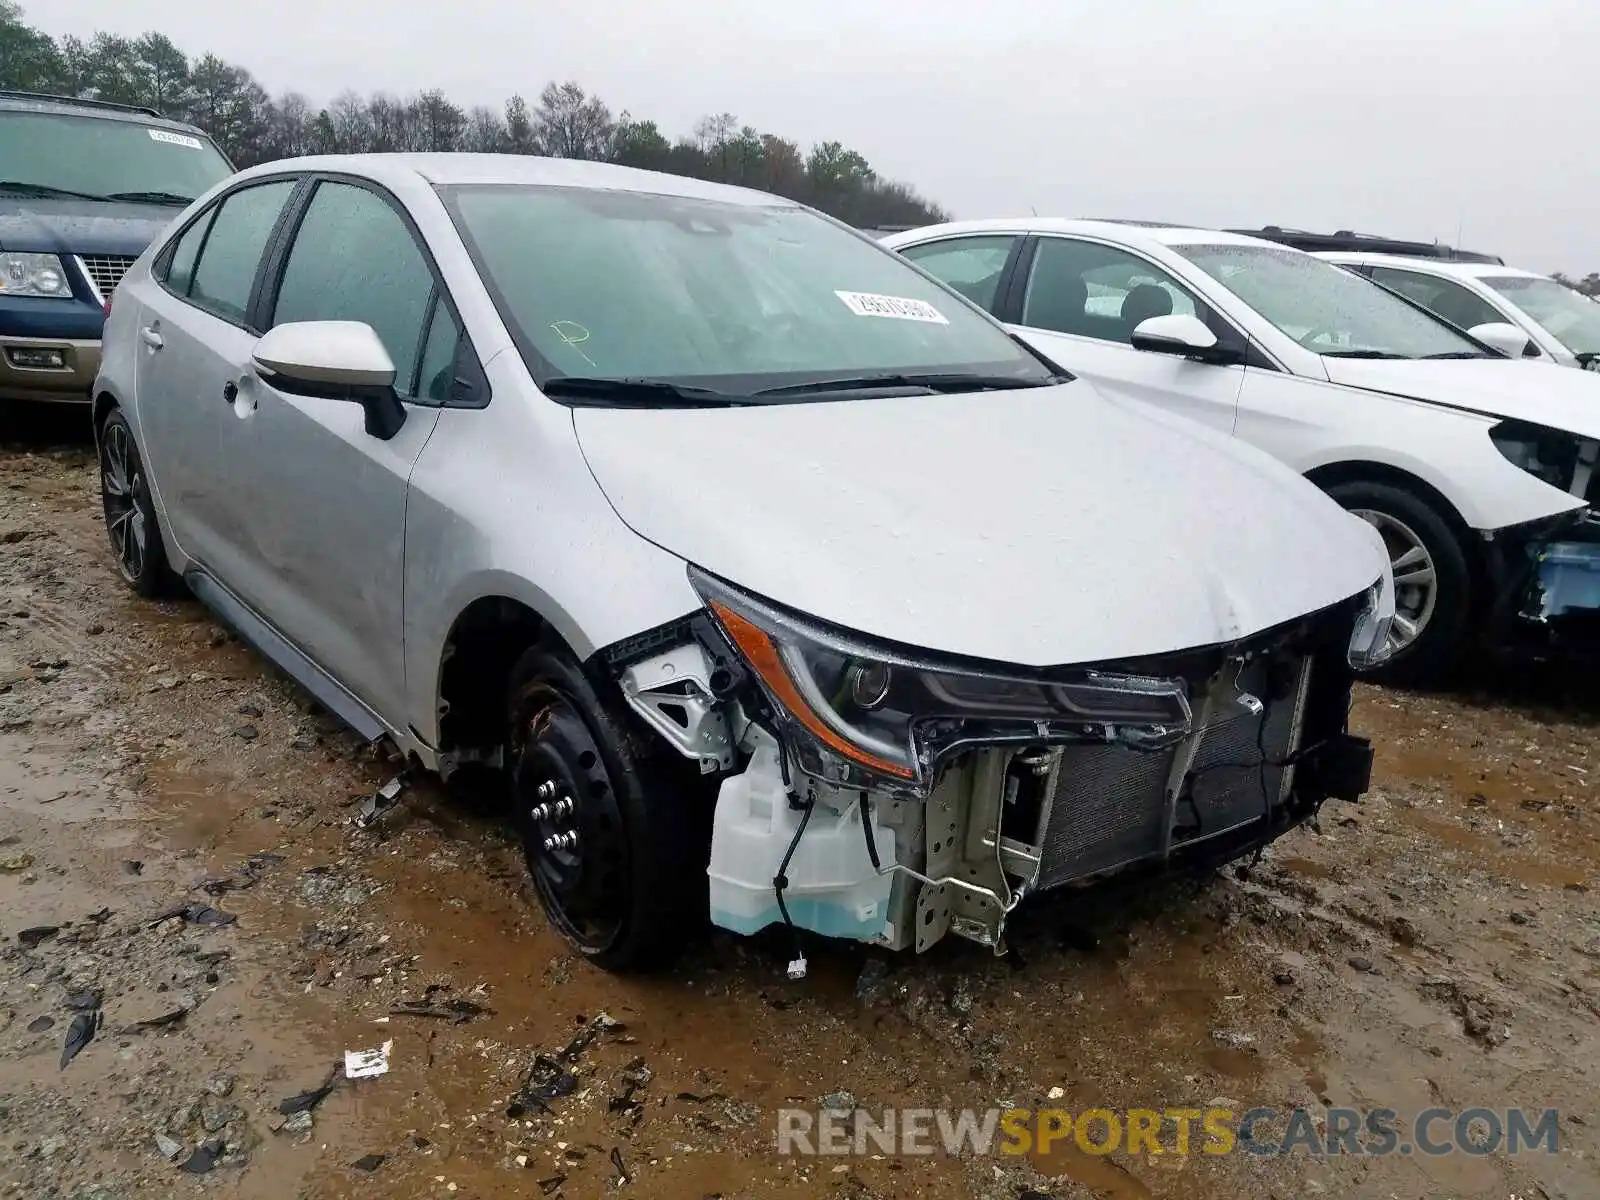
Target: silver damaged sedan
[{"x": 774, "y": 581}]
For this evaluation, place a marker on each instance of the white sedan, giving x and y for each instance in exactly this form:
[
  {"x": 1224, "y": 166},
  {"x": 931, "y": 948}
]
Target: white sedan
[
  {"x": 1476, "y": 469},
  {"x": 1561, "y": 325}
]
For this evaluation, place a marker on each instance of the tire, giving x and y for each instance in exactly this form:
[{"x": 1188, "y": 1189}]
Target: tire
[
  {"x": 130, "y": 514},
  {"x": 633, "y": 890},
  {"x": 1400, "y": 515}
]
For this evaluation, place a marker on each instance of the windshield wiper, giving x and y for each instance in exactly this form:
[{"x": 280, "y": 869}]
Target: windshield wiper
[
  {"x": 637, "y": 393},
  {"x": 44, "y": 190},
  {"x": 151, "y": 197},
  {"x": 946, "y": 383},
  {"x": 1361, "y": 354},
  {"x": 1461, "y": 354}
]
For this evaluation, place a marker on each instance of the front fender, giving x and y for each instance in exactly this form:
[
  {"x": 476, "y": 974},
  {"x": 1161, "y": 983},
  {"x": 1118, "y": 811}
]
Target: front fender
[{"x": 526, "y": 521}]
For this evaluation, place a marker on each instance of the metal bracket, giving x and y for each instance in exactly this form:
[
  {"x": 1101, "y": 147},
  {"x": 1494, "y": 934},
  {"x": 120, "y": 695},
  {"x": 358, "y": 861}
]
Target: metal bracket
[
  {"x": 672, "y": 693},
  {"x": 942, "y": 836}
]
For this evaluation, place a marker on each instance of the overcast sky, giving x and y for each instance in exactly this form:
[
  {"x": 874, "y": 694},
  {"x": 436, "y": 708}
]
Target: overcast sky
[{"x": 1416, "y": 118}]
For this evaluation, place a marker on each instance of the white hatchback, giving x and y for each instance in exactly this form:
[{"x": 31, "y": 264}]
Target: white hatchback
[{"x": 1477, "y": 470}]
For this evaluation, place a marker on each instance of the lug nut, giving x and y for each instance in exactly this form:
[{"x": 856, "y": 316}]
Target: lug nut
[
  {"x": 540, "y": 813},
  {"x": 547, "y": 789},
  {"x": 564, "y": 807},
  {"x": 561, "y": 841}
]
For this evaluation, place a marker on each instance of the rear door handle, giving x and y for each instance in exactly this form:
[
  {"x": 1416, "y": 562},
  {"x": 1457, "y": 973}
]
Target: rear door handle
[{"x": 150, "y": 337}]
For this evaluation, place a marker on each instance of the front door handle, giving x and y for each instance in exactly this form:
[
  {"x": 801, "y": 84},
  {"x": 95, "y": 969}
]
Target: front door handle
[
  {"x": 230, "y": 391},
  {"x": 151, "y": 337}
]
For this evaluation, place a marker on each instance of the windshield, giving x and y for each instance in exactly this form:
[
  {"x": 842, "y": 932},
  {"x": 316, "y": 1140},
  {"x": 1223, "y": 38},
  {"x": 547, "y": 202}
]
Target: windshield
[
  {"x": 44, "y": 154},
  {"x": 1573, "y": 319},
  {"x": 733, "y": 297},
  {"x": 1325, "y": 308}
]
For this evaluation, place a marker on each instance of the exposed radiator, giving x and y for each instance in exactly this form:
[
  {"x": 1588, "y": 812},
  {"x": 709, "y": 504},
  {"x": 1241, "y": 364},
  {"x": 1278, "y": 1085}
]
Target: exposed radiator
[{"x": 1110, "y": 808}]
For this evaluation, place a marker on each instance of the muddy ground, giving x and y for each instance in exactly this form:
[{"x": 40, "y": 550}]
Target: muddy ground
[{"x": 1437, "y": 944}]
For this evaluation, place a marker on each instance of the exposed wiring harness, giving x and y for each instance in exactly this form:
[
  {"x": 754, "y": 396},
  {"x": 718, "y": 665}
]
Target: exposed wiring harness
[
  {"x": 866, "y": 829},
  {"x": 780, "y": 881}
]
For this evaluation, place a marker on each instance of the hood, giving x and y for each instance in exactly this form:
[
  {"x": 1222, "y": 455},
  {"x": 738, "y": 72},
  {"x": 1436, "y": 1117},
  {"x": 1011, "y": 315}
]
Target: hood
[
  {"x": 81, "y": 226},
  {"x": 1044, "y": 526},
  {"x": 1544, "y": 393}
]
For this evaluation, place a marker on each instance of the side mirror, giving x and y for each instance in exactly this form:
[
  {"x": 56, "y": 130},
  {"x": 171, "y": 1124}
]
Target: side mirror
[
  {"x": 1181, "y": 334},
  {"x": 1504, "y": 337},
  {"x": 333, "y": 360}
]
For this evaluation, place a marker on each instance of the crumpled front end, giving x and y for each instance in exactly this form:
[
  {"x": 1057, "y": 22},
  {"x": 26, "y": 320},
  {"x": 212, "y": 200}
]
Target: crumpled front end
[
  {"x": 1544, "y": 576},
  {"x": 869, "y": 793}
]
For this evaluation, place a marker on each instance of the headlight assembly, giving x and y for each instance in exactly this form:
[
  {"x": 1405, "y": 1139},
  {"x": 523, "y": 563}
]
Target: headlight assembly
[
  {"x": 39, "y": 275},
  {"x": 862, "y": 715},
  {"x": 1369, "y": 640}
]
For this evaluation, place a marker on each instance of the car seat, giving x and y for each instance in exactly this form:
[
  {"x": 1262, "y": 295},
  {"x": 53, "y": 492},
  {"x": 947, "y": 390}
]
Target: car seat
[{"x": 1143, "y": 302}]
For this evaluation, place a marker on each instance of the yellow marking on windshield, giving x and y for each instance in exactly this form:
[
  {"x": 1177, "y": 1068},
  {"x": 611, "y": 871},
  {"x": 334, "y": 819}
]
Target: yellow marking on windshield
[{"x": 572, "y": 334}]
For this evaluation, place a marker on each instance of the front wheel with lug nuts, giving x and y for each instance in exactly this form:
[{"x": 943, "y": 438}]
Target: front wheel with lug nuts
[
  {"x": 1432, "y": 581},
  {"x": 616, "y": 855},
  {"x": 130, "y": 511}
]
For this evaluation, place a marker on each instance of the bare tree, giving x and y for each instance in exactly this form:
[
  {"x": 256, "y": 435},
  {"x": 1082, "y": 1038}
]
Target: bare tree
[{"x": 570, "y": 124}]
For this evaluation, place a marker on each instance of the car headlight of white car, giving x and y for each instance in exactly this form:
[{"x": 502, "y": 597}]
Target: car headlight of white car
[
  {"x": 1369, "y": 639},
  {"x": 40, "y": 275},
  {"x": 861, "y": 715}
]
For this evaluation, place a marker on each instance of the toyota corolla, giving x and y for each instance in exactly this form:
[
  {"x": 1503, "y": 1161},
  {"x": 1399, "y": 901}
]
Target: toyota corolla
[{"x": 780, "y": 582}]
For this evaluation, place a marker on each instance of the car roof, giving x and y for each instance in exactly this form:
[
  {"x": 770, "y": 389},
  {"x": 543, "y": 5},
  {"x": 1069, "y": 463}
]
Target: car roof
[
  {"x": 67, "y": 106},
  {"x": 1429, "y": 266},
  {"x": 1130, "y": 233},
  {"x": 456, "y": 169}
]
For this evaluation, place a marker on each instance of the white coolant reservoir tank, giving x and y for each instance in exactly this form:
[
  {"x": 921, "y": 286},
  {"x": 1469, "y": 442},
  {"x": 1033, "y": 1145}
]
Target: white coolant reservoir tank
[{"x": 833, "y": 889}]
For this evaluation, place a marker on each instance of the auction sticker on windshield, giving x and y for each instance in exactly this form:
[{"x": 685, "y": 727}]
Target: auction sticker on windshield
[
  {"x": 870, "y": 304},
  {"x": 176, "y": 139}
]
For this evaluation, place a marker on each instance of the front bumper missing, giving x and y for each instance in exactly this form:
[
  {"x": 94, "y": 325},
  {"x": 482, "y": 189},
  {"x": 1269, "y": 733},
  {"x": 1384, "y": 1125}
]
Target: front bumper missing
[
  {"x": 1267, "y": 746},
  {"x": 1544, "y": 585},
  {"x": 1017, "y": 806}
]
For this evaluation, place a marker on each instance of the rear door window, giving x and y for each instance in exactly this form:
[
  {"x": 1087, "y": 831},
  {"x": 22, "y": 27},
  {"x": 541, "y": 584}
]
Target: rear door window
[
  {"x": 179, "y": 273},
  {"x": 971, "y": 265},
  {"x": 231, "y": 253}
]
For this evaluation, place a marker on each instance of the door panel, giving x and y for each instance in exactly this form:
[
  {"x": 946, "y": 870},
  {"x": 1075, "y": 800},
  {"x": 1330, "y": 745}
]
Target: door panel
[
  {"x": 319, "y": 521},
  {"x": 183, "y": 413},
  {"x": 192, "y": 342},
  {"x": 318, "y": 513},
  {"x": 1080, "y": 303}
]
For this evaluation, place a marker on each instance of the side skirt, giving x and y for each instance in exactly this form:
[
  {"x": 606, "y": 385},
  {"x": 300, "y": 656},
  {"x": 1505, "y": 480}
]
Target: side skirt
[{"x": 332, "y": 694}]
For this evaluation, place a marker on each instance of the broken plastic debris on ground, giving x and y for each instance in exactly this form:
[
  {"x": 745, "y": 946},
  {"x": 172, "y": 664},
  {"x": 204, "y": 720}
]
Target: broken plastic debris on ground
[{"x": 367, "y": 1064}]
